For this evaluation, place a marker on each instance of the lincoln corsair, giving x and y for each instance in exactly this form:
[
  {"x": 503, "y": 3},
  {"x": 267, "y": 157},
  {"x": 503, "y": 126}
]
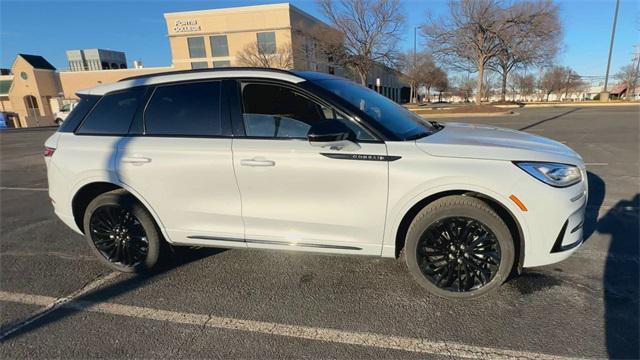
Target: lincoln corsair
[{"x": 303, "y": 161}]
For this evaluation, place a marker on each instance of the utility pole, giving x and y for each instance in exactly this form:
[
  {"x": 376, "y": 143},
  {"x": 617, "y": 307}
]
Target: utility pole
[
  {"x": 637, "y": 74},
  {"x": 605, "y": 93}
]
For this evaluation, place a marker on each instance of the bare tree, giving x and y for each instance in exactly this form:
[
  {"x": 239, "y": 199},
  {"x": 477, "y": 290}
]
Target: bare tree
[
  {"x": 254, "y": 55},
  {"x": 561, "y": 80},
  {"x": 417, "y": 69},
  {"x": 490, "y": 86},
  {"x": 475, "y": 33},
  {"x": 464, "y": 87},
  {"x": 573, "y": 83},
  {"x": 532, "y": 40},
  {"x": 523, "y": 85},
  {"x": 433, "y": 78},
  {"x": 440, "y": 82},
  {"x": 370, "y": 29},
  {"x": 317, "y": 42},
  {"x": 552, "y": 81},
  {"x": 628, "y": 74},
  {"x": 466, "y": 39}
]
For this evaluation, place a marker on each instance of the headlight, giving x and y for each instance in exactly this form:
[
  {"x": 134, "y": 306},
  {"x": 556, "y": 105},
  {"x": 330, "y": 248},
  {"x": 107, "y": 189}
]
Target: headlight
[{"x": 554, "y": 174}]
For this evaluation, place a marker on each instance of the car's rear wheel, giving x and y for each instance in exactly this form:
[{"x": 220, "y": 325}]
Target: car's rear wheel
[
  {"x": 458, "y": 247},
  {"x": 121, "y": 232},
  {"x": 58, "y": 122}
]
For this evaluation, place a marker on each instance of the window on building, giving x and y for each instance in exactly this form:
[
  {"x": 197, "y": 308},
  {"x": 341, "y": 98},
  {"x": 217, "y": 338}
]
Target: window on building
[
  {"x": 272, "y": 111},
  {"x": 113, "y": 113},
  {"x": 219, "y": 46},
  {"x": 196, "y": 47},
  {"x": 267, "y": 42},
  {"x": 184, "y": 109},
  {"x": 221, "y": 63},
  {"x": 199, "y": 65}
]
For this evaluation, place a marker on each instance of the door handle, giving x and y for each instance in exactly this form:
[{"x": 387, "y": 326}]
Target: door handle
[
  {"x": 136, "y": 160},
  {"x": 257, "y": 162}
]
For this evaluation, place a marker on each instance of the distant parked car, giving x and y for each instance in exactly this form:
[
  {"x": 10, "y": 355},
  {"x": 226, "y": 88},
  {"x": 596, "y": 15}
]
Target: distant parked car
[
  {"x": 8, "y": 119},
  {"x": 64, "y": 111}
]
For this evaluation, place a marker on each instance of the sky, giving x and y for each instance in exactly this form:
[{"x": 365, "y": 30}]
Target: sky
[{"x": 137, "y": 27}]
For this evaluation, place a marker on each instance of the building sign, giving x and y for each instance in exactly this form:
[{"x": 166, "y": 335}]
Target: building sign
[{"x": 183, "y": 26}]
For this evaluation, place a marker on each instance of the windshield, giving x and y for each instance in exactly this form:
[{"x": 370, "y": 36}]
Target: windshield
[
  {"x": 404, "y": 124},
  {"x": 65, "y": 108}
]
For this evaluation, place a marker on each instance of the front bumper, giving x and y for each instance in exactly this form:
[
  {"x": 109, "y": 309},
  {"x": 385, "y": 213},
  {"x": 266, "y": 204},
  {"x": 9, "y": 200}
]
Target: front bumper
[
  {"x": 570, "y": 235},
  {"x": 554, "y": 222}
]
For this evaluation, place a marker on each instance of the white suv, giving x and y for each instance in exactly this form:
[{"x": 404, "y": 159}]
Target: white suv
[{"x": 270, "y": 159}]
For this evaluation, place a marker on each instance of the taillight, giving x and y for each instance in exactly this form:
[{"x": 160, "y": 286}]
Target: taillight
[{"x": 48, "y": 151}]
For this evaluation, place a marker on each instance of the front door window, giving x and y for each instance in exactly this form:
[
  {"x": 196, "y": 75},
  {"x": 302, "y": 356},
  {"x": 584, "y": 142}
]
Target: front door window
[{"x": 272, "y": 111}]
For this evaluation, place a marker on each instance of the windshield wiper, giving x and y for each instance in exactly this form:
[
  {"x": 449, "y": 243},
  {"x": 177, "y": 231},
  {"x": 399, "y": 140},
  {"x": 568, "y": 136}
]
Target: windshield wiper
[
  {"x": 436, "y": 124},
  {"x": 418, "y": 136}
]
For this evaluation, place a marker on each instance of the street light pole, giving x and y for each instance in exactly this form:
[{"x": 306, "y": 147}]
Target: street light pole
[
  {"x": 414, "y": 85},
  {"x": 415, "y": 41},
  {"x": 613, "y": 35}
]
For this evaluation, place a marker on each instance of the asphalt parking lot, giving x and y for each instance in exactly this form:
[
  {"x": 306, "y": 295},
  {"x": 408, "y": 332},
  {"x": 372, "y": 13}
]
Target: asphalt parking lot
[{"x": 56, "y": 300}]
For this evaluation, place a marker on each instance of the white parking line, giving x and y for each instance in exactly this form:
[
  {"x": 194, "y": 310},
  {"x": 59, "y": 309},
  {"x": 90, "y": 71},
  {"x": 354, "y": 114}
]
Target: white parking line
[
  {"x": 293, "y": 331},
  {"x": 23, "y": 188},
  {"x": 50, "y": 303}
]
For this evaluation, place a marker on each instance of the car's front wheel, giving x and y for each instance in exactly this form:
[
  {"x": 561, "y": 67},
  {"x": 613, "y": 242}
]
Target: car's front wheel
[
  {"x": 458, "y": 247},
  {"x": 121, "y": 232}
]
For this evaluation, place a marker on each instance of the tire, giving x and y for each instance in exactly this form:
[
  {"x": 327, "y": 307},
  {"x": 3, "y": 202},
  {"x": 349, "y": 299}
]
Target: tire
[
  {"x": 110, "y": 232},
  {"x": 58, "y": 122},
  {"x": 459, "y": 237}
]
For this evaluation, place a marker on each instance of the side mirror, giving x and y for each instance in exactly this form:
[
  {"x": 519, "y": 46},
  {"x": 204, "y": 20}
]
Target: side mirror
[
  {"x": 329, "y": 131},
  {"x": 332, "y": 134}
]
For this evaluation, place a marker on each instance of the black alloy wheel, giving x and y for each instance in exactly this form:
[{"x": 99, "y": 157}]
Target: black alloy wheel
[
  {"x": 458, "y": 247},
  {"x": 122, "y": 233},
  {"x": 118, "y": 235},
  {"x": 458, "y": 254}
]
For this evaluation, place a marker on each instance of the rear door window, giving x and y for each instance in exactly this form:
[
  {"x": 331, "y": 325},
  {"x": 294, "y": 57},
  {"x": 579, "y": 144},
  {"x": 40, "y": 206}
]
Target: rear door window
[
  {"x": 191, "y": 109},
  {"x": 113, "y": 113}
]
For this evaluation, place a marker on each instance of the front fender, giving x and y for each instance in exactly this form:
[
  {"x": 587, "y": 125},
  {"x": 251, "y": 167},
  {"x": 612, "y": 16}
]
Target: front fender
[{"x": 433, "y": 188}]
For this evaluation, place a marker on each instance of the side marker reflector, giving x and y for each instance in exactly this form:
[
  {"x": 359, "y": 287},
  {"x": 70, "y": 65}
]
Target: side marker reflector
[{"x": 518, "y": 202}]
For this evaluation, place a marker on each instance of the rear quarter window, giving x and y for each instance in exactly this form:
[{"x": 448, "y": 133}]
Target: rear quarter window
[
  {"x": 78, "y": 113},
  {"x": 112, "y": 115}
]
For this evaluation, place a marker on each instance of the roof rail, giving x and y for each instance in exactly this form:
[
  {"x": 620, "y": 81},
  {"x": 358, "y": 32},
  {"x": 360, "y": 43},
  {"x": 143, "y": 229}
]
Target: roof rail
[{"x": 206, "y": 70}]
